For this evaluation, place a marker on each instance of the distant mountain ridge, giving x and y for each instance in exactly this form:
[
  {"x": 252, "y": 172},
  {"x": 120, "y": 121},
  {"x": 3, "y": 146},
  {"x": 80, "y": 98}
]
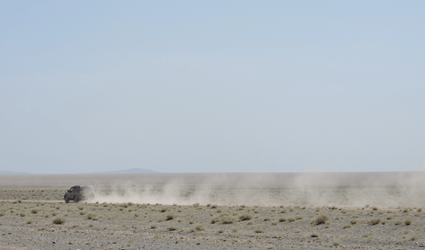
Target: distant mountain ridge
[
  {"x": 124, "y": 171},
  {"x": 128, "y": 171},
  {"x": 11, "y": 173}
]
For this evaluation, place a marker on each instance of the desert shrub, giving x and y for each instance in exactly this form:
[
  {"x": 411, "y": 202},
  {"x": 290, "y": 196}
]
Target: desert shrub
[
  {"x": 163, "y": 210},
  {"x": 290, "y": 219},
  {"x": 223, "y": 219},
  {"x": 336, "y": 243},
  {"x": 29, "y": 221},
  {"x": 234, "y": 230},
  {"x": 213, "y": 206},
  {"x": 320, "y": 220},
  {"x": 397, "y": 223},
  {"x": 283, "y": 211},
  {"x": 220, "y": 231},
  {"x": 2, "y": 214},
  {"x": 199, "y": 228},
  {"x": 282, "y": 219},
  {"x": 170, "y": 217},
  {"x": 153, "y": 226},
  {"x": 196, "y": 205},
  {"x": 171, "y": 228},
  {"x": 373, "y": 222},
  {"x": 419, "y": 210},
  {"x": 227, "y": 220},
  {"x": 215, "y": 220},
  {"x": 91, "y": 217},
  {"x": 314, "y": 235},
  {"x": 414, "y": 238},
  {"x": 407, "y": 222},
  {"x": 34, "y": 211},
  {"x": 59, "y": 221},
  {"x": 353, "y": 222},
  {"x": 259, "y": 231},
  {"x": 245, "y": 217},
  {"x": 375, "y": 208},
  {"x": 347, "y": 226},
  {"x": 266, "y": 219},
  {"x": 22, "y": 215}
]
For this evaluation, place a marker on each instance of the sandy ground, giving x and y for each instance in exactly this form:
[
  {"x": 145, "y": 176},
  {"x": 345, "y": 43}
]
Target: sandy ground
[{"x": 215, "y": 212}]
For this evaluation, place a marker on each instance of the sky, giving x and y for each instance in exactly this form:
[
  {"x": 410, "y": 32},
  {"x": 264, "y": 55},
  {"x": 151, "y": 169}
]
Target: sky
[{"x": 212, "y": 86}]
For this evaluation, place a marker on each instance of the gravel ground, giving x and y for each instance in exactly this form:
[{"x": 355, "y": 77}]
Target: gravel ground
[{"x": 41, "y": 224}]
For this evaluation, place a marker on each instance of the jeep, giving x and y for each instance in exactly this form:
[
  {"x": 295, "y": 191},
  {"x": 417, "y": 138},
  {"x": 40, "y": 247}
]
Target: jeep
[{"x": 78, "y": 193}]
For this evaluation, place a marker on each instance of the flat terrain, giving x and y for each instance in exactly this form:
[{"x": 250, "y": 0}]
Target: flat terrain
[{"x": 230, "y": 212}]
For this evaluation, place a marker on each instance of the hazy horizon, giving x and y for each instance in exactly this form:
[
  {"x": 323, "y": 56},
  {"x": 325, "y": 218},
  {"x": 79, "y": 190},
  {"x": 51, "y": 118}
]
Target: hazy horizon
[{"x": 241, "y": 86}]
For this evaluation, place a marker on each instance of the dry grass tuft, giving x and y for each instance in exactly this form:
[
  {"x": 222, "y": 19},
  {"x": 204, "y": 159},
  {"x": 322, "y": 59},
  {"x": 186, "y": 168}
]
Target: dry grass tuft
[
  {"x": 320, "y": 220},
  {"x": 59, "y": 221},
  {"x": 373, "y": 222},
  {"x": 245, "y": 217}
]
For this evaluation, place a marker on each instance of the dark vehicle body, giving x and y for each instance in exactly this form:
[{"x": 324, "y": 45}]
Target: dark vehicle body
[{"x": 79, "y": 193}]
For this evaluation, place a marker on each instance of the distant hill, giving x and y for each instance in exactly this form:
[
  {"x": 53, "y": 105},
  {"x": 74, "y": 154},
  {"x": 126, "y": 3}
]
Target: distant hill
[
  {"x": 11, "y": 173},
  {"x": 128, "y": 171}
]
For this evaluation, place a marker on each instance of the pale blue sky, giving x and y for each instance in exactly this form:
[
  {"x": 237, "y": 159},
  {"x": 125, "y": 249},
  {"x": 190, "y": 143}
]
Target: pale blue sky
[{"x": 218, "y": 86}]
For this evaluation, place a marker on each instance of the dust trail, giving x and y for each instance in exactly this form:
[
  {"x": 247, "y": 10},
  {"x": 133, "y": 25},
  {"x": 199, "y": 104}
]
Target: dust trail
[{"x": 385, "y": 190}]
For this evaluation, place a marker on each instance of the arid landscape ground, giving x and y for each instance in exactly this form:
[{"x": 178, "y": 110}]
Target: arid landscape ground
[{"x": 215, "y": 211}]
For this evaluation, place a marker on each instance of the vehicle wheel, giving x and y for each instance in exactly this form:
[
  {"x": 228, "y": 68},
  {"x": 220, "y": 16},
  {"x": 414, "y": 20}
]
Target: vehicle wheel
[
  {"x": 75, "y": 198},
  {"x": 66, "y": 199}
]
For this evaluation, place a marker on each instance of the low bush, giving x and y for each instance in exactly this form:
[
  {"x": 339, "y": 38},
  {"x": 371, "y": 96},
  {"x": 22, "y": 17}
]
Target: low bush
[
  {"x": 170, "y": 217},
  {"x": 373, "y": 222},
  {"x": 223, "y": 219},
  {"x": 59, "y": 221},
  {"x": 245, "y": 217},
  {"x": 320, "y": 220},
  {"x": 91, "y": 217}
]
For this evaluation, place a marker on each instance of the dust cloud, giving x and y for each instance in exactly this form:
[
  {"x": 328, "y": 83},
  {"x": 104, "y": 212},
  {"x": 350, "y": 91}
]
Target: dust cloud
[{"x": 384, "y": 190}]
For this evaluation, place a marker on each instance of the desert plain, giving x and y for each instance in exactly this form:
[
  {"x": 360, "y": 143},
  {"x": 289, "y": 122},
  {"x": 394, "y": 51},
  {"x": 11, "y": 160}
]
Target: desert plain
[{"x": 215, "y": 211}]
